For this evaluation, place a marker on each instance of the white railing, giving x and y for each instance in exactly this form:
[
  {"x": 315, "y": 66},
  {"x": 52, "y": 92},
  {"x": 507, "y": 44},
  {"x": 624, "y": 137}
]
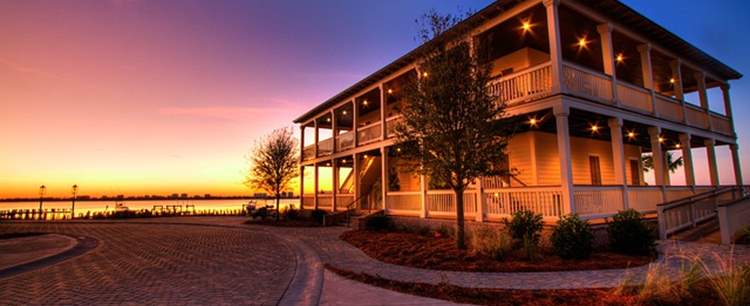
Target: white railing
[
  {"x": 644, "y": 198},
  {"x": 503, "y": 202},
  {"x": 345, "y": 141},
  {"x": 342, "y": 200},
  {"x": 634, "y": 97},
  {"x": 308, "y": 152},
  {"x": 696, "y": 116},
  {"x": 308, "y": 201},
  {"x": 325, "y": 201},
  {"x": 391, "y": 123},
  {"x": 404, "y": 201},
  {"x": 668, "y": 108},
  {"x": 325, "y": 147},
  {"x": 721, "y": 124},
  {"x": 526, "y": 85},
  {"x": 369, "y": 133},
  {"x": 494, "y": 182},
  {"x": 689, "y": 211},
  {"x": 598, "y": 200},
  {"x": 588, "y": 83},
  {"x": 441, "y": 203}
]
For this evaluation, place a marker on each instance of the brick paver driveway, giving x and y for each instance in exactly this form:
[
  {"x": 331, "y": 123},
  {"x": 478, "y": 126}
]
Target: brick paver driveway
[{"x": 157, "y": 264}]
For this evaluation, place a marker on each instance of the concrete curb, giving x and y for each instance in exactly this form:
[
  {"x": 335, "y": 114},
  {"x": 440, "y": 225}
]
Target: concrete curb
[{"x": 82, "y": 246}]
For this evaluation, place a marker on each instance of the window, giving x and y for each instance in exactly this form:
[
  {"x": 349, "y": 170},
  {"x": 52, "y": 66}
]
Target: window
[
  {"x": 596, "y": 172},
  {"x": 635, "y": 172}
]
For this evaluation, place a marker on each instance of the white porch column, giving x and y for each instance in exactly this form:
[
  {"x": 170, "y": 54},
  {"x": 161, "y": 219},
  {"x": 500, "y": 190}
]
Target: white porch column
[
  {"x": 355, "y": 177},
  {"x": 687, "y": 159},
  {"x": 384, "y": 173},
  {"x": 657, "y": 157},
  {"x": 618, "y": 157},
  {"x": 555, "y": 50},
  {"x": 677, "y": 76},
  {"x": 713, "y": 169},
  {"x": 315, "y": 196},
  {"x": 727, "y": 101},
  {"x": 355, "y": 114},
  {"x": 315, "y": 125},
  {"x": 334, "y": 132},
  {"x": 383, "y": 117},
  {"x": 736, "y": 163},
  {"x": 648, "y": 76},
  {"x": 335, "y": 182},
  {"x": 423, "y": 196},
  {"x": 480, "y": 201},
  {"x": 563, "y": 148},
  {"x": 700, "y": 77},
  {"x": 608, "y": 57},
  {"x": 301, "y": 186},
  {"x": 301, "y": 166}
]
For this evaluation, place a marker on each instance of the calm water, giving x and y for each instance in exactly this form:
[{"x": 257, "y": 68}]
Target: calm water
[{"x": 98, "y": 206}]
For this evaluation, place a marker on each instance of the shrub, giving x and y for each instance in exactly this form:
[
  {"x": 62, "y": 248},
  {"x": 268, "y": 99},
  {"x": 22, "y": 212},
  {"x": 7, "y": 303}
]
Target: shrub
[
  {"x": 291, "y": 213},
  {"x": 572, "y": 238},
  {"x": 318, "y": 215},
  {"x": 443, "y": 231},
  {"x": 378, "y": 223},
  {"x": 490, "y": 242},
  {"x": 629, "y": 235},
  {"x": 525, "y": 225}
]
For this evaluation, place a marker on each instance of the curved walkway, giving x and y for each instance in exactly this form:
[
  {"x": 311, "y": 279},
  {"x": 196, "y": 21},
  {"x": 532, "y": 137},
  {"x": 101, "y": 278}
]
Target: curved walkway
[
  {"x": 340, "y": 254},
  {"x": 156, "y": 264}
]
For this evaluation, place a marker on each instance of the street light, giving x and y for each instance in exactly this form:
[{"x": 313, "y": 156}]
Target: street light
[
  {"x": 41, "y": 196},
  {"x": 73, "y": 207}
]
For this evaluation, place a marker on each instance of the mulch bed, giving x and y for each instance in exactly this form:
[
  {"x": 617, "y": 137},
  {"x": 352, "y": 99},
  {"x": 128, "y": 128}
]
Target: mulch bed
[
  {"x": 457, "y": 294},
  {"x": 440, "y": 253},
  {"x": 284, "y": 223}
]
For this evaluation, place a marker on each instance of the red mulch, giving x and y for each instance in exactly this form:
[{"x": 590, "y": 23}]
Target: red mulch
[
  {"x": 557, "y": 297},
  {"x": 414, "y": 250}
]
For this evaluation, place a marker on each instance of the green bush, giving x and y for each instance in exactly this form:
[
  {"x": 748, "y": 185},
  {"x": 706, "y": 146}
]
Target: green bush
[
  {"x": 629, "y": 235},
  {"x": 525, "y": 225},
  {"x": 318, "y": 215},
  {"x": 491, "y": 242},
  {"x": 378, "y": 223},
  {"x": 572, "y": 238}
]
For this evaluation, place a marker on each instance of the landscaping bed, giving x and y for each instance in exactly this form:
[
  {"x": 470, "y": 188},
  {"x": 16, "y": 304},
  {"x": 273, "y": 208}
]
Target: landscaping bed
[{"x": 440, "y": 253}]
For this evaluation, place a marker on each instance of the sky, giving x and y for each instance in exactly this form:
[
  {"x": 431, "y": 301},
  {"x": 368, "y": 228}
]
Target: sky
[{"x": 154, "y": 97}]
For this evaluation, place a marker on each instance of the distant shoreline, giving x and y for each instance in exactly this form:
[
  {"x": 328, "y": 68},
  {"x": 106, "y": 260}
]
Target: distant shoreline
[{"x": 141, "y": 199}]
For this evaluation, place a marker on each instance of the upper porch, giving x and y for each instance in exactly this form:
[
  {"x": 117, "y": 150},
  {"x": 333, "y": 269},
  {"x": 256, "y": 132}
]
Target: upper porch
[{"x": 538, "y": 50}]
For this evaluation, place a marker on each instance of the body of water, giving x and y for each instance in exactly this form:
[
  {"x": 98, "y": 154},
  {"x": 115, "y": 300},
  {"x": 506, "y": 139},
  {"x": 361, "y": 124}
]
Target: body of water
[{"x": 82, "y": 207}]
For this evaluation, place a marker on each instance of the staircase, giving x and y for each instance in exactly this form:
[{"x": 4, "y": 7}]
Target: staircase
[{"x": 695, "y": 217}]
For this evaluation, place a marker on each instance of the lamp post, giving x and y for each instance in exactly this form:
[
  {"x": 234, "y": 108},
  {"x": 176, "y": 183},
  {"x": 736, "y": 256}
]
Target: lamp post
[
  {"x": 41, "y": 196},
  {"x": 73, "y": 206}
]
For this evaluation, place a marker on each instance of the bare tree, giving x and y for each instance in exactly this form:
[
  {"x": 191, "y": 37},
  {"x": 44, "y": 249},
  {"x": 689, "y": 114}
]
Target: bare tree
[
  {"x": 453, "y": 127},
  {"x": 273, "y": 164}
]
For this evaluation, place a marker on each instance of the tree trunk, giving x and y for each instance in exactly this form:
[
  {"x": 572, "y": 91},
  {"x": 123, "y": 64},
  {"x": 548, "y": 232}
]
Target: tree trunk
[
  {"x": 278, "y": 213},
  {"x": 460, "y": 239}
]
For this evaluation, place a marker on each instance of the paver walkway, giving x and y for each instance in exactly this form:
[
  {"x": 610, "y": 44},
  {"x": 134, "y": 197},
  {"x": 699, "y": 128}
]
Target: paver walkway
[{"x": 157, "y": 264}]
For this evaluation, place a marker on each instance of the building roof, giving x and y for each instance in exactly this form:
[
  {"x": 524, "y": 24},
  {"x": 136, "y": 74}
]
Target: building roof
[{"x": 612, "y": 9}]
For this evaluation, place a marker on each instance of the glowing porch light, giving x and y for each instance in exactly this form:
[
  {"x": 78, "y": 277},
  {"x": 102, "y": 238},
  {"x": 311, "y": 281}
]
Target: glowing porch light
[
  {"x": 424, "y": 74},
  {"x": 343, "y": 112},
  {"x": 671, "y": 80},
  {"x": 390, "y": 91},
  {"x": 526, "y": 26},
  {"x": 328, "y": 119},
  {"x": 398, "y": 149},
  {"x": 594, "y": 128},
  {"x": 582, "y": 43},
  {"x": 533, "y": 122},
  {"x": 677, "y": 146},
  {"x": 661, "y": 139},
  {"x": 631, "y": 135},
  {"x": 365, "y": 102},
  {"x": 620, "y": 58}
]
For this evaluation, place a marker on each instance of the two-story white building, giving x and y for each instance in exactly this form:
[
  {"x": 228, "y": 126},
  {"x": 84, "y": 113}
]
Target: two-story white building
[{"x": 598, "y": 87}]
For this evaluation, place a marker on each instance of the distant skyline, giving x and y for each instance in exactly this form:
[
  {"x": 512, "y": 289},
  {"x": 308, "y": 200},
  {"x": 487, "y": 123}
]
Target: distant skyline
[{"x": 140, "y": 97}]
